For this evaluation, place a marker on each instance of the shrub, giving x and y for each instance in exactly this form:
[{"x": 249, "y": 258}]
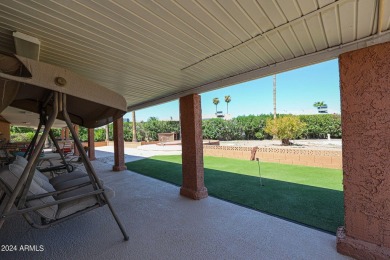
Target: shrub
[
  {"x": 318, "y": 126},
  {"x": 220, "y": 129},
  {"x": 285, "y": 128},
  {"x": 150, "y": 129},
  {"x": 21, "y": 134},
  {"x": 212, "y": 128},
  {"x": 253, "y": 126},
  {"x": 22, "y": 137},
  {"x": 100, "y": 134},
  {"x": 83, "y": 134}
]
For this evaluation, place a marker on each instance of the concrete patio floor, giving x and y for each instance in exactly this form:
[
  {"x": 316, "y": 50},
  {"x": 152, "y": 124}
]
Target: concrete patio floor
[{"x": 163, "y": 225}]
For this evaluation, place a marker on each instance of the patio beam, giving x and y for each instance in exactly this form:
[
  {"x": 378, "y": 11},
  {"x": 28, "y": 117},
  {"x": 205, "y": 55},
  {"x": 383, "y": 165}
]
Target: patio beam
[
  {"x": 119, "y": 146},
  {"x": 192, "y": 148},
  {"x": 365, "y": 101},
  {"x": 91, "y": 144}
]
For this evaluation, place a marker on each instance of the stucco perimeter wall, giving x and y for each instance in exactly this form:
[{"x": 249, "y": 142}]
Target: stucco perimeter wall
[
  {"x": 97, "y": 144},
  {"x": 285, "y": 155}
]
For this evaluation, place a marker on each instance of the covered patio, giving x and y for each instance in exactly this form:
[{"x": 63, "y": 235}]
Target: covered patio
[{"x": 164, "y": 225}]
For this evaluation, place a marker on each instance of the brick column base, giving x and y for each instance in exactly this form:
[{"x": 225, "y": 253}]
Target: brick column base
[
  {"x": 359, "y": 249},
  {"x": 119, "y": 168},
  {"x": 194, "y": 194}
]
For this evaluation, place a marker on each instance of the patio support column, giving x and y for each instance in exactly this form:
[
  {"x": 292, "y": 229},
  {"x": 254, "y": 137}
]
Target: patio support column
[
  {"x": 66, "y": 133},
  {"x": 192, "y": 148},
  {"x": 75, "y": 150},
  {"x": 119, "y": 146},
  {"x": 63, "y": 133},
  {"x": 365, "y": 100},
  {"x": 91, "y": 144}
]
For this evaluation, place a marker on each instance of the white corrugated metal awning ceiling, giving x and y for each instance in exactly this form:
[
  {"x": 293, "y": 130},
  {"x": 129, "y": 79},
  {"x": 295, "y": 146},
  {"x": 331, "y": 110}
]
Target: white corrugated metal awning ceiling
[{"x": 156, "y": 51}]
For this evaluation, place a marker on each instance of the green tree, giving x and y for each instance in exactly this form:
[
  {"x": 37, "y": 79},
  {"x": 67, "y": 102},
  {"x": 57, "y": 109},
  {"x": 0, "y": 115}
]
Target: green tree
[
  {"x": 285, "y": 128},
  {"x": 227, "y": 100},
  {"x": 216, "y": 102}
]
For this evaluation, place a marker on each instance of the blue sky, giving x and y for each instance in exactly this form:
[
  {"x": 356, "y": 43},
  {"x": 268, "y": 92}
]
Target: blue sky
[{"x": 297, "y": 90}]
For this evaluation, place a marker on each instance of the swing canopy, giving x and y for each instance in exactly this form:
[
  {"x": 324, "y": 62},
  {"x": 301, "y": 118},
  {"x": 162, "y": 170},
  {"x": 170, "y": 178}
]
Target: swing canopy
[
  {"x": 53, "y": 93},
  {"x": 26, "y": 84}
]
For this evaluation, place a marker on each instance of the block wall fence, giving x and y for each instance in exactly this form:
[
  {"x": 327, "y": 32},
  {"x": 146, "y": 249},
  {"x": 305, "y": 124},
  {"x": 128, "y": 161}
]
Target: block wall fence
[{"x": 286, "y": 155}]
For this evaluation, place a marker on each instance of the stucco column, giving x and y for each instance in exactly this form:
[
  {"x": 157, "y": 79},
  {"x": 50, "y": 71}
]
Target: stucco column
[
  {"x": 192, "y": 148},
  {"x": 365, "y": 100},
  {"x": 66, "y": 133},
  {"x": 119, "y": 146},
  {"x": 91, "y": 144},
  {"x": 63, "y": 133},
  {"x": 75, "y": 150},
  {"x": 5, "y": 129}
]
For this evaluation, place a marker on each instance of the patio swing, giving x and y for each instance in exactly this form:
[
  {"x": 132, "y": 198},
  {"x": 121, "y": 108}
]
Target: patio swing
[{"x": 53, "y": 93}]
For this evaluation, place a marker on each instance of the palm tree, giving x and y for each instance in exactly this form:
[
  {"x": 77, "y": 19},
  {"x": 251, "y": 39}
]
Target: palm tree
[
  {"x": 319, "y": 104},
  {"x": 216, "y": 102},
  {"x": 227, "y": 100}
]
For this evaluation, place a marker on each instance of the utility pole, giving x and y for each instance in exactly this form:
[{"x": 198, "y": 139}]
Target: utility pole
[
  {"x": 274, "y": 92},
  {"x": 134, "y": 127}
]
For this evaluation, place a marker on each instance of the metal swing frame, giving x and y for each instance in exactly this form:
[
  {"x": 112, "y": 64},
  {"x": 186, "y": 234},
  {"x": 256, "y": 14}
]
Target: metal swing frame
[{"x": 50, "y": 109}]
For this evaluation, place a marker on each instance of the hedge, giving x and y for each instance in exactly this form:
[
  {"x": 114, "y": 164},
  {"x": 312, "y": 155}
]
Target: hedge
[{"x": 240, "y": 128}]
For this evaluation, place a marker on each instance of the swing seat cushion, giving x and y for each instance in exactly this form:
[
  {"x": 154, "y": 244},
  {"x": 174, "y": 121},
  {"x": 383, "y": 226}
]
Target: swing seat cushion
[
  {"x": 11, "y": 177},
  {"x": 71, "y": 207},
  {"x": 40, "y": 184},
  {"x": 56, "y": 181},
  {"x": 38, "y": 177}
]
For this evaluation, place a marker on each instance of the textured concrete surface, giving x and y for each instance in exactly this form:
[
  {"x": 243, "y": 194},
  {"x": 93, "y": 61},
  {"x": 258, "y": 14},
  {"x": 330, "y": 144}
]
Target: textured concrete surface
[
  {"x": 164, "y": 225},
  {"x": 365, "y": 99}
]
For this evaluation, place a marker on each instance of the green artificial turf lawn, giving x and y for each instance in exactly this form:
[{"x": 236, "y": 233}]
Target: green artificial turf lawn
[{"x": 308, "y": 195}]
